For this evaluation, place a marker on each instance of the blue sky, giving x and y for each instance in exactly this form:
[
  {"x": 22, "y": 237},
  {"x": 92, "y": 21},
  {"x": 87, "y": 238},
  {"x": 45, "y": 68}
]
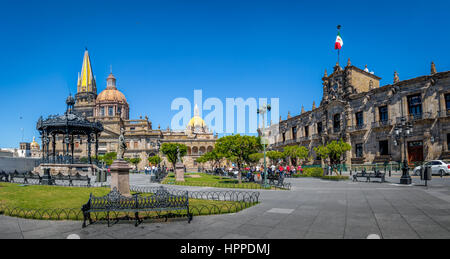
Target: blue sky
[{"x": 161, "y": 50}]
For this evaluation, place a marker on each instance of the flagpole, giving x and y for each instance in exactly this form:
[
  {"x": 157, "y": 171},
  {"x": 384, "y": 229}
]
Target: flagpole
[{"x": 339, "y": 50}]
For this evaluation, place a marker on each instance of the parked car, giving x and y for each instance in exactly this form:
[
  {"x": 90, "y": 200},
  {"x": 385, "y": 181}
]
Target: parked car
[{"x": 438, "y": 167}]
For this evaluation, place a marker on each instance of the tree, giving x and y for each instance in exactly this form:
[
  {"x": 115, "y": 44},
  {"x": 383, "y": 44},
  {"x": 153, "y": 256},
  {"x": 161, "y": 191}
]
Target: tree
[
  {"x": 296, "y": 152},
  {"x": 238, "y": 149},
  {"x": 170, "y": 151},
  {"x": 303, "y": 153},
  {"x": 321, "y": 152},
  {"x": 334, "y": 151},
  {"x": 155, "y": 160},
  {"x": 274, "y": 156},
  {"x": 255, "y": 158},
  {"x": 108, "y": 158},
  {"x": 135, "y": 161},
  {"x": 213, "y": 156}
]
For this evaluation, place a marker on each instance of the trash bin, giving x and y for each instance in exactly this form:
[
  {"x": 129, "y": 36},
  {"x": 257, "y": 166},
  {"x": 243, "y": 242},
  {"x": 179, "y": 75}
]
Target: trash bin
[
  {"x": 425, "y": 174},
  {"x": 103, "y": 176}
]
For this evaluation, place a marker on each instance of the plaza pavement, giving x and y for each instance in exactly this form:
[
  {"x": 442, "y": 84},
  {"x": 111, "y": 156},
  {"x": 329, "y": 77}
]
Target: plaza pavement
[{"x": 314, "y": 208}]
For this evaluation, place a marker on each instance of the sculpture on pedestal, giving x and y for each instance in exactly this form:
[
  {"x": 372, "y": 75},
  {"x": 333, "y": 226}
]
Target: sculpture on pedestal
[
  {"x": 122, "y": 146},
  {"x": 120, "y": 170},
  {"x": 179, "y": 167}
]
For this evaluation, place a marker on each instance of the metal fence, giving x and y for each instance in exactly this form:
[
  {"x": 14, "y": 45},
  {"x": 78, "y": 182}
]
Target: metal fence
[
  {"x": 246, "y": 182},
  {"x": 232, "y": 201}
]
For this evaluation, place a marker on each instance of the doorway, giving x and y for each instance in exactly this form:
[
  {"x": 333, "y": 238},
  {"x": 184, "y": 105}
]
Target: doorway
[{"x": 415, "y": 151}]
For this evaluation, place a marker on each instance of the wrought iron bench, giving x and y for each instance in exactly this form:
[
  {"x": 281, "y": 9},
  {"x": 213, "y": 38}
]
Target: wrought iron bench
[
  {"x": 368, "y": 176},
  {"x": 4, "y": 177},
  {"x": 80, "y": 178},
  {"x": 161, "y": 200},
  {"x": 61, "y": 177},
  {"x": 277, "y": 180},
  {"x": 25, "y": 176},
  {"x": 249, "y": 177}
]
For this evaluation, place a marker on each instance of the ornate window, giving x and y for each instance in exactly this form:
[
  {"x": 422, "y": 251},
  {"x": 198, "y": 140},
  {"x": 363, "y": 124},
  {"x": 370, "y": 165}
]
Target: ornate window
[
  {"x": 415, "y": 105},
  {"x": 359, "y": 119},
  {"x": 102, "y": 111},
  {"x": 110, "y": 111},
  {"x": 359, "y": 150},
  {"x": 447, "y": 102},
  {"x": 337, "y": 122},
  {"x": 384, "y": 116},
  {"x": 294, "y": 132},
  {"x": 319, "y": 128},
  {"x": 306, "y": 131}
]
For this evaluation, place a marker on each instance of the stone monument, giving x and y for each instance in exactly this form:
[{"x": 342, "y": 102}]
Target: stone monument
[
  {"x": 120, "y": 171},
  {"x": 179, "y": 168}
]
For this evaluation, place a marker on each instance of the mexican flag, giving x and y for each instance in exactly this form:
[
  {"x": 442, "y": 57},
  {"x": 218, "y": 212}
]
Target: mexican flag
[{"x": 339, "y": 43}]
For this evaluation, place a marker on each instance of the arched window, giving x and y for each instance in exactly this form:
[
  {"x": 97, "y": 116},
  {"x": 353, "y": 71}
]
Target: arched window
[{"x": 337, "y": 122}]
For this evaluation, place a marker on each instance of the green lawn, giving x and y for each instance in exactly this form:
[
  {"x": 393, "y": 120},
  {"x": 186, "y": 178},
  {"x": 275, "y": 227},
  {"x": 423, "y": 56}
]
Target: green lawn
[
  {"x": 211, "y": 181},
  {"x": 57, "y": 202}
]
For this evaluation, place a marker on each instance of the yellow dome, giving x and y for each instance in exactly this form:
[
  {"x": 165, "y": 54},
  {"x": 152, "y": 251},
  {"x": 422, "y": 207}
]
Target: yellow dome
[
  {"x": 196, "y": 121},
  {"x": 111, "y": 95},
  {"x": 34, "y": 144}
]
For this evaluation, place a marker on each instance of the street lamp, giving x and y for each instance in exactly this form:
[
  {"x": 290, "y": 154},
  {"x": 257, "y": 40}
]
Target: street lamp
[
  {"x": 262, "y": 111},
  {"x": 402, "y": 130}
]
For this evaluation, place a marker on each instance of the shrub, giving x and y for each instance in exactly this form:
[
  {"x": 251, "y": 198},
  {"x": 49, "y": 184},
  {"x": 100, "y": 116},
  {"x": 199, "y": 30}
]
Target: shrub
[
  {"x": 317, "y": 172},
  {"x": 313, "y": 172},
  {"x": 335, "y": 177}
]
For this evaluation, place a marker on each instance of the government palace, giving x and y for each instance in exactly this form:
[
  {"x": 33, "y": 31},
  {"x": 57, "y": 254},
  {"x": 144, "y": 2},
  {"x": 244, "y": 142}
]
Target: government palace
[
  {"x": 357, "y": 109},
  {"x": 111, "y": 109}
]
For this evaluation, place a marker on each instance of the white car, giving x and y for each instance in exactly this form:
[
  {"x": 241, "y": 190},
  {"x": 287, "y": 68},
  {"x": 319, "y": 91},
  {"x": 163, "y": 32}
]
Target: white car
[{"x": 438, "y": 167}]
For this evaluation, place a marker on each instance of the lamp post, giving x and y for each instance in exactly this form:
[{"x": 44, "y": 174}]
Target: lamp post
[
  {"x": 262, "y": 111},
  {"x": 402, "y": 130}
]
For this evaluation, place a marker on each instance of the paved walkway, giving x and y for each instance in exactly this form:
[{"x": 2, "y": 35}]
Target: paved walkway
[{"x": 312, "y": 209}]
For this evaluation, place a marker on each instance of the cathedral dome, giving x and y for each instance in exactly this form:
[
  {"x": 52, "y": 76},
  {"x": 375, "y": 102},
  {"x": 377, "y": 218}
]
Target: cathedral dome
[
  {"x": 195, "y": 122},
  {"x": 111, "y": 94},
  {"x": 34, "y": 145}
]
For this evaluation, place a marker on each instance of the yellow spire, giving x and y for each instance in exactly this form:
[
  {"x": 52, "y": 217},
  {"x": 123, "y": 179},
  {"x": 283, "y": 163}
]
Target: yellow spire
[{"x": 86, "y": 82}]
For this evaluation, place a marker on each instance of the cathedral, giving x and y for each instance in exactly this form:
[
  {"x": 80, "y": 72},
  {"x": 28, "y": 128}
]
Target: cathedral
[
  {"x": 357, "y": 109},
  {"x": 110, "y": 107}
]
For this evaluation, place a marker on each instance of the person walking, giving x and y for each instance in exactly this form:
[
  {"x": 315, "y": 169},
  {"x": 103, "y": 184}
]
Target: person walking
[{"x": 300, "y": 169}]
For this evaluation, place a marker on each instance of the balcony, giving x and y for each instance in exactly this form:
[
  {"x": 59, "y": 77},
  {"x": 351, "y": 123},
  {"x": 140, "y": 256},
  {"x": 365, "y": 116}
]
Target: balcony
[
  {"x": 382, "y": 158},
  {"x": 316, "y": 136},
  {"x": 357, "y": 160},
  {"x": 381, "y": 124},
  {"x": 444, "y": 113},
  {"x": 419, "y": 116},
  {"x": 305, "y": 138},
  {"x": 357, "y": 127}
]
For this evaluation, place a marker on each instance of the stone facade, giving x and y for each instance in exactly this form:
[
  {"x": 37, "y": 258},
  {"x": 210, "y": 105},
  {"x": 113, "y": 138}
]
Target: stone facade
[{"x": 356, "y": 109}]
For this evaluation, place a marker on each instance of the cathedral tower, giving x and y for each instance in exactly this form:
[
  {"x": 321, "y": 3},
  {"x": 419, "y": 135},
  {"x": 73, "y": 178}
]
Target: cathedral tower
[{"x": 86, "y": 89}]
